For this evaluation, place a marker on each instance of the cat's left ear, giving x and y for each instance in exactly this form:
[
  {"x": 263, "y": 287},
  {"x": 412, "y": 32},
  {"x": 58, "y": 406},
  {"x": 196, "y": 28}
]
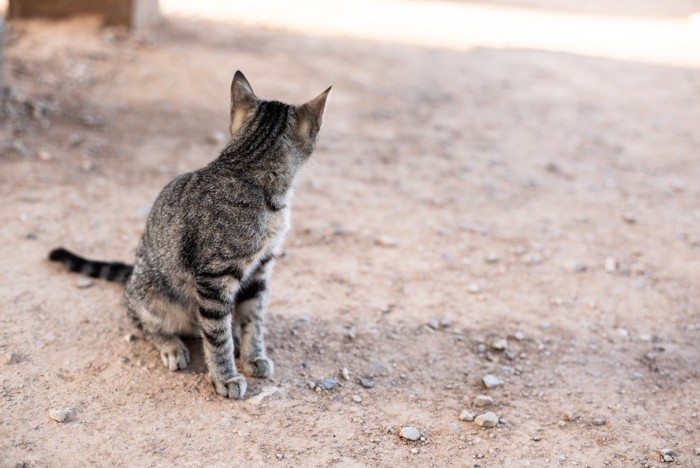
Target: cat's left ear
[
  {"x": 310, "y": 115},
  {"x": 243, "y": 101}
]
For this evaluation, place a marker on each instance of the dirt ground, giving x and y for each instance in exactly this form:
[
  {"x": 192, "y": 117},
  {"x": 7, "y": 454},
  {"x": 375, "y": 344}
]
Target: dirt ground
[{"x": 547, "y": 198}]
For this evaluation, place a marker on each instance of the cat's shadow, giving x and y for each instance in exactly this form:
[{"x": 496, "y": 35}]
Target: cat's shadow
[{"x": 197, "y": 364}]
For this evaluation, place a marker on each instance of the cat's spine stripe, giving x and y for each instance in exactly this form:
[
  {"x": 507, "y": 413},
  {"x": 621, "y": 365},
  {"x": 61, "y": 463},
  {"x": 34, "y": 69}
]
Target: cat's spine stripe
[
  {"x": 250, "y": 290},
  {"x": 111, "y": 271}
]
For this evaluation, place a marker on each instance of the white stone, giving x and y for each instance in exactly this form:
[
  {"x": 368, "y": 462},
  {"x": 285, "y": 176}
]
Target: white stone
[
  {"x": 491, "y": 381},
  {"x": 410, "y": 433},
  {"x": 487, "y": 420}
]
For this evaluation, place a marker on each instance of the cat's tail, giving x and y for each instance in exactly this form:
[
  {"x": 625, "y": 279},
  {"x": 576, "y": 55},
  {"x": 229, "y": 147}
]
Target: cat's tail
[{"x": 111, "y": 271}]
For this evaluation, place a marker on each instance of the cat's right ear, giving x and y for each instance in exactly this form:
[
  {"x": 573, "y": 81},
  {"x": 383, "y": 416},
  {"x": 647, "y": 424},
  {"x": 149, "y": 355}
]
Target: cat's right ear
[{"x": 243, "y": 101}]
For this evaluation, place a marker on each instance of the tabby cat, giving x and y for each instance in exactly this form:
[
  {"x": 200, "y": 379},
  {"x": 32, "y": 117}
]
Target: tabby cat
[{"x": 205, "y": 258}]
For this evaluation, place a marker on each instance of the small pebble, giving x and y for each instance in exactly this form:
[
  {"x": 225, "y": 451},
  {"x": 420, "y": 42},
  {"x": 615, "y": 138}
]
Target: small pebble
[
  {"x": 434, "y": 324},
  {"x": 474, "y": 288},
  {"x": 575, "y": 266},
  {"x": 326, "y": 384},
  {"x": 492, "y": 258},
  {"x": 349, "y": 333},
  {"x": 357, "y": 398},
  {"x": 345, "y": 373},
  {"x": 629, "y": 217},
  {"x": 217, "y": 138},
  {"x": 491, "y": 381},
  {"x": 385, "y": 241},
  {"x": 265, "y": 394},
  {"x": 367, "y": 382},
  {"x": 486, "y": 420},
  {"x": 60, "y": 415},
  {"x": 446, "y": 322},
  {"x": 130, "y": 337},
  {"x": 466, "y": 416},
  {"x": 666, "y": 454},
  {"x": 568, "y": 416},
  {"x": 483, "y": 400},
  {"x": 610, "y": 265},
  {"x": 599, "y": 421},
  {"x": 45, "y": 155},
  {"x": 84, "y": 283},
  {"x": 500, "y": 345},
  {"x": 415, "y": 450},
  {"x": 697, "y": 451},
  {"x": 520, "y": 336},
  {"x": 410, "y": 433},
  {"x": 279, "y": 456},
  {"x": 561, "y": 458}
]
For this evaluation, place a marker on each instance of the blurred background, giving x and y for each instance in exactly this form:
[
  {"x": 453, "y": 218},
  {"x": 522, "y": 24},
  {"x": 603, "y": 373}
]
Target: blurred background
[{"x": 506, "y": 188}]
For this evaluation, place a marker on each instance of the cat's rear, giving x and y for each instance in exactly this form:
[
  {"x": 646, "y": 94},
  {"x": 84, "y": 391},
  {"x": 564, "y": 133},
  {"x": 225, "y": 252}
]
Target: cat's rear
[{"x": 204, "y": 261}]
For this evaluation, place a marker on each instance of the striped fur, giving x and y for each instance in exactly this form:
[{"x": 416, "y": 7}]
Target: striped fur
[
  {"x": 204, "y": 262},
  {"x": 110, "y": 271}
]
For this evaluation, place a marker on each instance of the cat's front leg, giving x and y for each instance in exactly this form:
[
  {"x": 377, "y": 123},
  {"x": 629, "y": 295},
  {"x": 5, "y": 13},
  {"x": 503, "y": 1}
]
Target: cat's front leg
[
  {"x": 251, "y": 303},
  {"x": 215, "y": 309}
]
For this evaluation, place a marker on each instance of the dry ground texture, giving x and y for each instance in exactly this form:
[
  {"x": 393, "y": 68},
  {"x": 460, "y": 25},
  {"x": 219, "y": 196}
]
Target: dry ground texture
[{"x": 541, "y": 187}]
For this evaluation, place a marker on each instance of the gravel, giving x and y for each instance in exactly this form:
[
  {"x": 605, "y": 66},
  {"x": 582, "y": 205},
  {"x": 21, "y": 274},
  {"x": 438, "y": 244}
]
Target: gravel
[
  {"x": 599, "y": 421},
  {"x": 410, "y": 433},
  {"x": 491, "y": 381},
  {"x": 466, "y": 416},
  {"x": 367, "y": 382},
  {"x": 84, "y": 283},
  {"x": 483, "y": 400},
  {"x": 487, "y": 420},
  {"x": 434, "y": 324},
  {"x": 500, "y": 345},
  {"x": 60, "y": 415},
  {"x": 666, "y": 454},
  {"x": 326, "y": 384}
]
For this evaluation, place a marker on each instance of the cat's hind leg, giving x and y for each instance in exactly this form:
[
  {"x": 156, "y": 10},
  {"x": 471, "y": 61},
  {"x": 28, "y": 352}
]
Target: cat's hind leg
[
  {"x": 251, "y": 303},
  {"x": 173, "y": 352}
]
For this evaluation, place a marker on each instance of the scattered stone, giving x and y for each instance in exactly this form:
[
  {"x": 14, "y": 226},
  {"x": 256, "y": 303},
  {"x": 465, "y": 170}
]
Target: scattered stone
[
  {"x": 217, "y": 138},
  {"x": 666, "y": 454},
  {"x": 697, "y": 451},
  {"x": 130, "y": 337},
  {"x": 466, "y": 416},
  {"x": 599, "y": 421},
  {"x": 500, "y": 345},
  {"x": 349, "y": 333},
  {"x": 569, "y": 416},
  {"x": 84, "y": 283},
  {"x": 410, "y": 433},
  {"x": 415, "y": 450},
  {"x": 562, "y": 424},
  {"x": 446, "y": 322},
  {"x": 434, "y": 324},
  {"x": 474, "y": 288},
  {"x": 575, "y": 266},
  {"x": 60, "y": 415},
  {"x": 629, "y": 217},
  {"x": 491, "y": 381},
  {"x": 486, "y": 420},
  {"x": 279, "y": 456},
  {"x": 561, "y": 458},
  {"x": 265, "y": 393},
  {"x": 492, "y": 258},
  {"x": 357, "y": 398},
  {"x": 345, "y": 373},
  {"x": 367, "y": 382},
  {"x": 610, "y": 265},
  {"x": 518, "y": 335},
  {"x": 45, "y": 155},
  {"x": 326, "y": 384},
  {"x": 386, "y": 241},
  {"x": 483, "y": 400}
]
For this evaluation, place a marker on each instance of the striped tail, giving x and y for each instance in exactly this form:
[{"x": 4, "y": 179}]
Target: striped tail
[{"x": 111, "y": 271}]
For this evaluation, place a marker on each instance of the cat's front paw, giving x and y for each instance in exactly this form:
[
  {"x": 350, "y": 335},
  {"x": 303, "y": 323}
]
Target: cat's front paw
[
  {"x": 261, "y": 367},
  {"x": 234, "y": 387}
]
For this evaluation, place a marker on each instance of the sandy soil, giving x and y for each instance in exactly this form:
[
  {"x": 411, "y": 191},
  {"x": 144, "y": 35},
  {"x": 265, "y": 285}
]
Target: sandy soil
[{"x": 546, "y": 198}]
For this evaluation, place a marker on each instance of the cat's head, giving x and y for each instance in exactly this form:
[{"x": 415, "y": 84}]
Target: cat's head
[{"x": 263, "y": 123}]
